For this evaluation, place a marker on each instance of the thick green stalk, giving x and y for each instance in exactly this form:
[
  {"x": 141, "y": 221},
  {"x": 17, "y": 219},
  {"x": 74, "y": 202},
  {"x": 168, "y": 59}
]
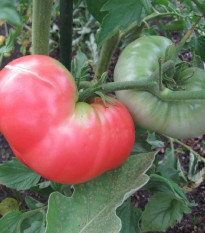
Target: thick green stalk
[
  {"x": 150, "y": 84},
  {"x": 106, "y": 54},
  {"x": 66, "y": 21},
  {"x": 41, "y": 26}
]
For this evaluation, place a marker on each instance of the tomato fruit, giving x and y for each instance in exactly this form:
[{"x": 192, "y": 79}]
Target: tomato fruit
[
  {"x": 178, "y": 119},
  {"x": 49, "y": 131}
]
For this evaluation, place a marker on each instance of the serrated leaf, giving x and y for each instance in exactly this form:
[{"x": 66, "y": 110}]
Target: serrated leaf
[
  {"x": 154, "y": 140},
  {"x": 94, "y": 8},
  {"x": 170, "y": 168},
  {"x": 121, "y": 15},
  {"x": 9, "y": 222},
  {"x": 8, "y": 12},
  {"x": 92, "y": 208},
  {"x": 162, "y": 212},
  {"x": 130, "y": 217},
  {"x": 14, "y": 174},
  {"x": 159, "y": 183},
  {"x": 147, "y": 6}
]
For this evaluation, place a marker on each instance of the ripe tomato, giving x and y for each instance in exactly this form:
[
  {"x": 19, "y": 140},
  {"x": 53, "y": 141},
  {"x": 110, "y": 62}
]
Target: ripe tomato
[
  {"x": 49, "y": 131},
  {"x": 178, "y": 119}
]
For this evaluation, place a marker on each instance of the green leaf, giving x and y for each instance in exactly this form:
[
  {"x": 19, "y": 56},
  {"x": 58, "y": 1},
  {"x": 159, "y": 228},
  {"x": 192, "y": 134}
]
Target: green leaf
[
  {"x": 158, "y": 183},
  {"x": 8, "y": 12},
  {"x": 170, "y": 168},
  {"x": 33, "y": 223},
  {"x": 14, "y": 174},
  {"x": 9, "y": 45},
  {"x": 94, "y": 8},
  {"x": 92, "y": 208},
  {"x": 33, "y": 203},
  {"x": 162, "y": 212},
  {"x": 130, "y": 217},
  {"x": 154, "y": 140},
  {"x": 199, "y": 46},
  {"x": 147, "y": 6},
  {"x": 78, "y": 63},
  {"x": 121, "y": 14},
  {"x": 193, "y": 163},
  {"x": 8, "y": 204},
  {"x": 9, "y": 222}
]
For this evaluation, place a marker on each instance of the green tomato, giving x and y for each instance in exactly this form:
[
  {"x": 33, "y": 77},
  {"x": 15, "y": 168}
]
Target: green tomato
[{"x": 178, "y": 119}]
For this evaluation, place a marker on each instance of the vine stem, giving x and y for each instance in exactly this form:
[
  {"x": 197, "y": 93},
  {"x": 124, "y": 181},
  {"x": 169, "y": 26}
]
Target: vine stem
[
  {"x": 106, "y": 54},
  {"x": 41, "y": 26},
  {"x": 185, "y": 146}
]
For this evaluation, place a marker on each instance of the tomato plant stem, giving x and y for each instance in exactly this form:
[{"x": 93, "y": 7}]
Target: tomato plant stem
[
  {"x": 66, "y": 21},
  {"x": 41, "y": 26},
  {"x": 106, "y": 54}
]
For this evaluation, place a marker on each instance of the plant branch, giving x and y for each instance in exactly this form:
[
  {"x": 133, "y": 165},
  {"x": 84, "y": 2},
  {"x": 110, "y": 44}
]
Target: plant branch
[
  {"x": 41, "y": 26},
  {"x": 185, "y": 146},
  {"x": 149, "y": 84},
  {"x": 106, "y": 54},
  {"x": 66, "y": 21}
]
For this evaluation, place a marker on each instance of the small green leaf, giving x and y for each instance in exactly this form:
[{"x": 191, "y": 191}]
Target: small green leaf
[
  {"x": 154, "y": 140},
  {"x": 104, "y": 99},
  {"x": 94, "y": 8},
  {"x": 92, "y": 208},
  {"x": 162, "y": 212},
  {"x": 9, "y": 221},
  {"x": 130, "y": 217},
  {"x": 8, "y": 12},
  {"x": 14, "y": 174},
  {"x": 33, "y": 203},
  {"x": 121, "y": 14},
  {"x": 8, "y": 204}
]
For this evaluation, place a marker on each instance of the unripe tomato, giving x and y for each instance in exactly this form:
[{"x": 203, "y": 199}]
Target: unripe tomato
[{"x": 178, "y": 119}]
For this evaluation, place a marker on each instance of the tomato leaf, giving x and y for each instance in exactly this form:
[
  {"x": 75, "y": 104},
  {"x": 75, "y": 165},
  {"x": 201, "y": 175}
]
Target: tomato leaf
[
  {"x": 162, "y": 211},
  {"x": 92, "y": 208},
  {"x": 170, "y": 168},
  {"x": 9, "y": 222},
  {"x": 130, "y": 217},
  {"x": 121, "y": 15},
  {"x": 14, "y": 174},
  {"x": 8, "y": 12},
  {"x": 200, "y": 44},
  {"x": 166, "y": 206},
  {"x": 94, "y": 8}
]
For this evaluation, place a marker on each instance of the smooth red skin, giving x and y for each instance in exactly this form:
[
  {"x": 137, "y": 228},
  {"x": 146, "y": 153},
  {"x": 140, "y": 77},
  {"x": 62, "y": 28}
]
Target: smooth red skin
[{"x": 61, "y": 140}]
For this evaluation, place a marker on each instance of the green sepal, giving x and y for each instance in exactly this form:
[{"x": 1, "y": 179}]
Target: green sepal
[{"x": 104, "y": 99}]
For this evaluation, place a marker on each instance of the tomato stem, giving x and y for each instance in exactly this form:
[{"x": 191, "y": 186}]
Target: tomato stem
[
  {"x": 186, "y": 37},
  {"x": 106, "y": 54},
  {"x": 160, "y": 73},
  {"x": 149, "y": 84},
  {"x": 41, "y": 26}
]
